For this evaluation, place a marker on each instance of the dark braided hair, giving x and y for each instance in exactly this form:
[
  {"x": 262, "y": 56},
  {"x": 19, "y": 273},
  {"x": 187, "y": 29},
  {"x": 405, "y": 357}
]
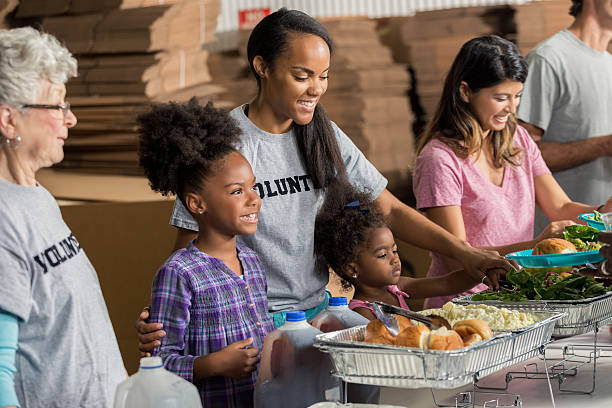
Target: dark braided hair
[
  {"x": 316, "y": 140},
  {"x": 340, "y": 232},
  {"x": 180, "y": 143}
]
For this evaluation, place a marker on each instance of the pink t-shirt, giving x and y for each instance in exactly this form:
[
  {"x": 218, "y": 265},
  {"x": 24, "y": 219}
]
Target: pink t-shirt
[{"x": 493, "y": 215}]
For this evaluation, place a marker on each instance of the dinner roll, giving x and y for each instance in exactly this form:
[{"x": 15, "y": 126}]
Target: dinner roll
[
  {"x": 413, "y": 336},
  {"x": 444, "y": 339},
  {"x": 376, "y": 332},
  {"x": 553, "y": 246},
  {"x": 403, "y": 322},
  {"x": 471, "y": 339},
  {"x": 466, "y": 328}
]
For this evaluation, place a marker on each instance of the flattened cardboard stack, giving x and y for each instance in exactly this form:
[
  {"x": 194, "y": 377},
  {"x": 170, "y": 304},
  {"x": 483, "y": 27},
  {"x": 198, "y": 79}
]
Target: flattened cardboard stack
[
  {"x": 130, "y": 52},
  {"x": 367, "y": 97},
  {"x": 429, "y": 41},
  {"x": 537, "y": 21},
  {"x": 230, "y": 70},
  {"x": 37, "y": 8}
]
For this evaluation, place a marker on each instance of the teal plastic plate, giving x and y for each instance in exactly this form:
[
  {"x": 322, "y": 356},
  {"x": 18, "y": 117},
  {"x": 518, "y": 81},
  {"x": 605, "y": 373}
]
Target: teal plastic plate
[
  {"x": 526, "y": 260},
  {"x": 588, "y": 217}
]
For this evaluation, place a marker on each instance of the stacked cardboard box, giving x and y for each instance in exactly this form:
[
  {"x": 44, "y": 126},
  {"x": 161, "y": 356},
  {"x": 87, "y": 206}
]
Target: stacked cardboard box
[
  {"x": 539, "y": 20},
  {"x": 230, "y": 70},
  {"x": 130, "y": 52},
  {"x": 37, "y": 8},
  {"x": 367, "y": 97},
  {"x": 148, "y": 51},
  {"x": 429, "y": 41}
]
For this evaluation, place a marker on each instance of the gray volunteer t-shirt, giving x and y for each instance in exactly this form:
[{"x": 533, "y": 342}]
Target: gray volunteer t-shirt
[
  {"x": 67, "y": 351},
  {"x": 568, "y": 94},
  {"x": 285, "y": 234}
]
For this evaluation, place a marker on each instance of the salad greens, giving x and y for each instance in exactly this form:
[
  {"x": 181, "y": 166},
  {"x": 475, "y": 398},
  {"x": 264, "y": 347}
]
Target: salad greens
[
  {"x": 584, "y": 237},
  {"x": 542, "y": 283},
  {"x": 596, "y": 216}
]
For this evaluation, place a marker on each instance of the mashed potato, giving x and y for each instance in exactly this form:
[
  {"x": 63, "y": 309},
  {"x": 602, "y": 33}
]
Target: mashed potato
[{"x": 497, "y": 318}]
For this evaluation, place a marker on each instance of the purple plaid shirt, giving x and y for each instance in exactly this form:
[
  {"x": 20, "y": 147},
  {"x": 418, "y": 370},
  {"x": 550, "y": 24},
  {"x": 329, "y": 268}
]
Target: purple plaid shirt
[{"x": 204, "y": 307}]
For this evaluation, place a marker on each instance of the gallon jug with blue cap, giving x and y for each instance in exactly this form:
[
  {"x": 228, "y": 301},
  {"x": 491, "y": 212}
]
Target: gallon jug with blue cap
[
  {"x": 292, "y": 372},
  {"x": 338, "y": 316},
  {"x": 155, "y": 387}
]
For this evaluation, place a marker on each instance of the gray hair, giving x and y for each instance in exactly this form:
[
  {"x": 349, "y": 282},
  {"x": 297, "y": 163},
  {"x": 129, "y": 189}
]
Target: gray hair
[{"x": 28, "y": 56}]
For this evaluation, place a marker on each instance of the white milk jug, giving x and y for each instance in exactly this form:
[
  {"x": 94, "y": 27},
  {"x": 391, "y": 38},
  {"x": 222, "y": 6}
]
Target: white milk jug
[{"x": 155, "y": 387}]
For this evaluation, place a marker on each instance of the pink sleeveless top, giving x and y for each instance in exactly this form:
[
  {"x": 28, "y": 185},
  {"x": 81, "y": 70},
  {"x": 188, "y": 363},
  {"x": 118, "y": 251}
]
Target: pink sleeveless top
[{"x": 393, "y": 289}]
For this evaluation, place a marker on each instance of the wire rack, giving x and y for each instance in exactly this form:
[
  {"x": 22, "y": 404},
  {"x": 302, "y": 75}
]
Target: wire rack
[
  {"x": 560, "y": 369},
  {"x": 582, "y": 316}
]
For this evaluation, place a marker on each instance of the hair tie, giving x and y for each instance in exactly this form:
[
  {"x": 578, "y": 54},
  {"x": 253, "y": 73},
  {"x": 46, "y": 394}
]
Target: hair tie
[{"x": 354, "y": 205}]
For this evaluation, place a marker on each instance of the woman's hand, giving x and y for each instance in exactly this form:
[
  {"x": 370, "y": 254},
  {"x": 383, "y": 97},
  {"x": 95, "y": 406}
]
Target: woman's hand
[
  {"x": 237, "y": 360},
  {"x": 486, "y": 266},
  {"x": 554, "y": 230},
  {"x": 607, "y": 206},
  {"x": 149, "y": 334}
]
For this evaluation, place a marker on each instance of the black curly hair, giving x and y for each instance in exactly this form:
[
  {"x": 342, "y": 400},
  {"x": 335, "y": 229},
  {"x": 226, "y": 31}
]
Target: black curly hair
[
  {"x": 180, "y": 143},
  {"x": 342, "y": 232}
]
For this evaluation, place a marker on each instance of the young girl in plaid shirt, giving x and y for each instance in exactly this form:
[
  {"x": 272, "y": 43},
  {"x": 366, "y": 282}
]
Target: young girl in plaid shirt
[{"x": 211, "y": 295}]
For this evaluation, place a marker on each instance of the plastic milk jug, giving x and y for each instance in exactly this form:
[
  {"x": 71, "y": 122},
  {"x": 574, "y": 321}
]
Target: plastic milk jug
[
  {"x": 338, "y": 316},
  {"x": 155, "y": 387},
  {"x": 292, "y": 372}
]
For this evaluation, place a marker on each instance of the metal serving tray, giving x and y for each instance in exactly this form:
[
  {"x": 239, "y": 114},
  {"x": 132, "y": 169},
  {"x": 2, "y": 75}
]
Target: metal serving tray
[
  {"x": 394, "y": 366},
  {"x": 582, "y": 315}
]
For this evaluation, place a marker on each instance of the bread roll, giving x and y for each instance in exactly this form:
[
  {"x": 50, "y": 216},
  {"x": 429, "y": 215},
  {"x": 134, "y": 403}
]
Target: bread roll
[
  {"x": 444, "y": 339},
  {"x": 377, "y": 333},
  {"x": 466, "y": 328},
  {"x": 403, "y": 322},
  {"x": 471, "y": 339},
  {"x": 553, "y": 246},
  {"x": 413, "y": 336}
]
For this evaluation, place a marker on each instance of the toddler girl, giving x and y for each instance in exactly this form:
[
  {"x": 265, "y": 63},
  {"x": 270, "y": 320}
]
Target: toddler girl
[
  {"x": 211, "y": 295},
  {"x": 352, "y": 238}
]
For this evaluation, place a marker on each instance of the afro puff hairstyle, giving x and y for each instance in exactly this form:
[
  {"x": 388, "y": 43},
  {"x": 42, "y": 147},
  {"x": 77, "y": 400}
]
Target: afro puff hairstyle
[
  {"x": 341, "y": 231},
  {"x": 180, "y": 142}
]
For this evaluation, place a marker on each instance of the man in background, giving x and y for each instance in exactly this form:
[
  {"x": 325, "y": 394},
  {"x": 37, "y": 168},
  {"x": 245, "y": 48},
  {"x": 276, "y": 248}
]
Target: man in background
[{"x": 567, "y": 104}]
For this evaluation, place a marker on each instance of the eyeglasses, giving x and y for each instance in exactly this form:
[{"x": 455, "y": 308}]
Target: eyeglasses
[{"x": 64, "y": 108}]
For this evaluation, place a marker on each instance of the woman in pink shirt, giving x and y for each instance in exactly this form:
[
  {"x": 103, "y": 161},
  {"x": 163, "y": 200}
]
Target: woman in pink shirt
[{"x": 478, "y": 174}]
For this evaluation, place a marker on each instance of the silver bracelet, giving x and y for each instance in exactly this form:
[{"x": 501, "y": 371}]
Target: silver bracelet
[{"x": 604, "y": 267}]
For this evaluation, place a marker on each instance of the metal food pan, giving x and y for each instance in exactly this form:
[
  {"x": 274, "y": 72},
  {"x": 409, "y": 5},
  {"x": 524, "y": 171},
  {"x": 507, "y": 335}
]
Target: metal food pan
[
  {"x": 582, "y": 315},
  {"x": 396, "y": 366}
]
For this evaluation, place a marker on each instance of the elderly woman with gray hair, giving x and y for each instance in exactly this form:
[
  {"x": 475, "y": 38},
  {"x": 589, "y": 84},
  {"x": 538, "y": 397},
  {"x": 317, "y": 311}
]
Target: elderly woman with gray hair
[{"x": 57, "y": 345}]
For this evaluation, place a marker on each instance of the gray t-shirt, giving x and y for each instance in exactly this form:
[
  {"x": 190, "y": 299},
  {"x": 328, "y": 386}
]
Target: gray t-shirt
[
  {"x": 67, "y": 351},
  {"x": 568, "y": 94},
  {"x": 285, "y": 234}
]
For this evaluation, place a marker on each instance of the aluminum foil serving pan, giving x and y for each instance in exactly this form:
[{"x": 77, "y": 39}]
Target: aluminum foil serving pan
[
  {"x": 582, "y": 316},
  {"x": 394, "y": 366}
]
